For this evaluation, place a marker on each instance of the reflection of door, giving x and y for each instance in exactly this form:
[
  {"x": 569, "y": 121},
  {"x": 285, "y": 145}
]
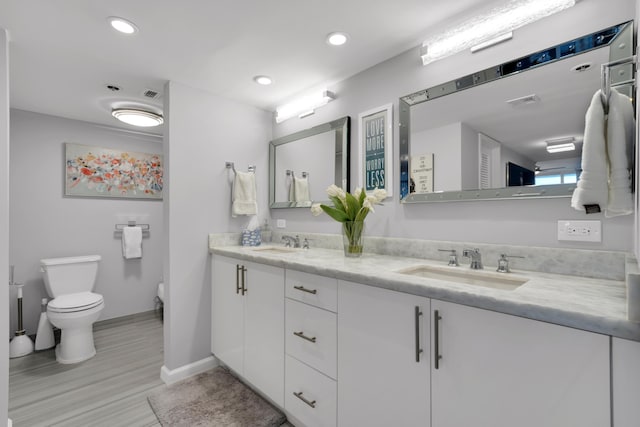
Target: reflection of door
[{"x": 489, "y": 175}]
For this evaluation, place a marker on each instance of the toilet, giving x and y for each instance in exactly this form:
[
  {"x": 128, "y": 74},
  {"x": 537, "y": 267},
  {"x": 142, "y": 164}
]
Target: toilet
[{"x": 74, "y": 308}]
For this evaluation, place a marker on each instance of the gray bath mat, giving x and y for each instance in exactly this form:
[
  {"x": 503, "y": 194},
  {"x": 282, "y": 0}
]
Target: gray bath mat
[{"x": 213, "y": 398}]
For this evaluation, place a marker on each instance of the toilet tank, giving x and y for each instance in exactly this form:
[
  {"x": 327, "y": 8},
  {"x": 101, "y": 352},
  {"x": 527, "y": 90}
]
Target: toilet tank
[{"x": 69, "y": 275}]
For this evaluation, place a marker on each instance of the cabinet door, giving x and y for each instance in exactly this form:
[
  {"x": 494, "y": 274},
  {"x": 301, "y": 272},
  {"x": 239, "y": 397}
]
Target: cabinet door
[
  {"x": 264, "y": 330},
  {"x": 626, "y": 382},
  {"x": 227, "y": 313},
  {"x": 380, "y": 382},
  {"x": 498, "y": 370}
]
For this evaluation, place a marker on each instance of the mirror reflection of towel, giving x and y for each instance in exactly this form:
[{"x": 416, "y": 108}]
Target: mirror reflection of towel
[
  {"x": 620, "y": 136},
  {"x": 132, "y": 242},
  {"x": 299, "y": 190},
  {"x": 244, "y": 194}
]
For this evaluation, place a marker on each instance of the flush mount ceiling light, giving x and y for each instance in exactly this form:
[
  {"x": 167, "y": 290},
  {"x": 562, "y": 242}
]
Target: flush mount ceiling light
[
  {"x": 135, "y": 117},
  {"x": 263, "y": 80},
  {"x": 337, "y": 38},
  {"x": 561, "y": 144},
  {"x": 501, "y": 19},
  {"x": 122, "y": 25},
  {"x": 304, "y": 106}
]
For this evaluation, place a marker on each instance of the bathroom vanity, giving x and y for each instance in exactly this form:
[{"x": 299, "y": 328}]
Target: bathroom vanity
[{"x": 385, "y": 340}]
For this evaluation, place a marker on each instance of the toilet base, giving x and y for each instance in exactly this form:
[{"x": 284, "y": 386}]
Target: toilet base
[{"x": 76, "y": 345}]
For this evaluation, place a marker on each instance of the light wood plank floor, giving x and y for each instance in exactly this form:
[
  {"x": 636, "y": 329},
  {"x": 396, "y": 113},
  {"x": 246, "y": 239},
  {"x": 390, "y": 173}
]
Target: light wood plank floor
[{"x": 108, "y": 390}]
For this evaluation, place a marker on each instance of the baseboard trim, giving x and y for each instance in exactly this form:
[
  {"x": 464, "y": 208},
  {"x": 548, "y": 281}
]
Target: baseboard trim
[{"x": 170, "y": 376}]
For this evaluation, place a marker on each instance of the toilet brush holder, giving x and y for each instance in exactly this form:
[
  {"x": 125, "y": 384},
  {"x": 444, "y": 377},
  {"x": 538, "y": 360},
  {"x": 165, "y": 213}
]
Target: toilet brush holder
[{"x": 20, "y": 344}]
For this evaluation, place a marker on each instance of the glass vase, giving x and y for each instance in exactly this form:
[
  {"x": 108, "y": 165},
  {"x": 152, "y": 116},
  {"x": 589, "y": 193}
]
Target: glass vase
[{"x": 353, "y": 238}]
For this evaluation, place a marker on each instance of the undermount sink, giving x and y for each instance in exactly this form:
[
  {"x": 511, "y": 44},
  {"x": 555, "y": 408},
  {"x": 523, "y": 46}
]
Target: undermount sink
[
  {"x": 487, "y": 279},
  {"x": 275, "y": 250}
]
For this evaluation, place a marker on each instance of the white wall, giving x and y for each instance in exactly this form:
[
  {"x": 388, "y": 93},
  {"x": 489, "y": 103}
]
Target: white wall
[
  {"x": 469, "y": 157},
  {"x": 444, "y": 143},
  {"x": 522, "y": 222},
  {"x": 202, "y": 132},
  {"x": 46, "y": 224},
  {"x": 4, "y": 221}
]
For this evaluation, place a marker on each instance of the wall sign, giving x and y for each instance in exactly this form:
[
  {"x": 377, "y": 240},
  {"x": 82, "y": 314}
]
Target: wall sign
[
  {"x": 421, "y": 181},
  {"x": 375, "y": 129}
]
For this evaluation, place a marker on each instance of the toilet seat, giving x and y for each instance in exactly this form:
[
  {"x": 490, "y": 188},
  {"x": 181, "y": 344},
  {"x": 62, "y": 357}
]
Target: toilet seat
[{"x": 71, "y": 303}]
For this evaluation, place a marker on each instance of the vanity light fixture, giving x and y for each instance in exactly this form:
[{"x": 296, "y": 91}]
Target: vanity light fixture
[
  {"x": 492, "y": 42},
  {"x": 122, "y": 25},
  {"x": 485, "y": 26},
  {"x": 337, "y": 38},
  {"x": 304, "y": 106},
  {"x": 136, "y": 117},
  {"x": 263, "y": 80},
  {"x": 560, "y": 145}
]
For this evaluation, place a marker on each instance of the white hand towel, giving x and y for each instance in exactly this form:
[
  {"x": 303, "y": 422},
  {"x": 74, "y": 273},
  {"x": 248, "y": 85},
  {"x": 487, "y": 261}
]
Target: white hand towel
[
  {"x": 620, "y": 136},
  {"x": 244, "y": 194},
  {"x": 592, "y": 188},
  {"x": 299, "y": 190},
  {"x": 132, "y": 242}
]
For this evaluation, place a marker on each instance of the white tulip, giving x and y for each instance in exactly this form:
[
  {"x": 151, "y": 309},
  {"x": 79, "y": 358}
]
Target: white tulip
[{"x": 316, "y": 209}]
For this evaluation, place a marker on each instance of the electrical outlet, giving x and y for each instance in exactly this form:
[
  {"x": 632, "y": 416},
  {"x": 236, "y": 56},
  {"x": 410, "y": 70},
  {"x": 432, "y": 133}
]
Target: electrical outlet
[
  {"x": 281, "y": 223},
  {"x": 580, "y": 231}
]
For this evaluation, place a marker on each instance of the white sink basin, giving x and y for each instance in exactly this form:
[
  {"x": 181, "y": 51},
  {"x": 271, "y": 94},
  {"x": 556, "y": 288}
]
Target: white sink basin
[
  {"x": 275, "y": 250},
  {"x": 504, "y": 281}
]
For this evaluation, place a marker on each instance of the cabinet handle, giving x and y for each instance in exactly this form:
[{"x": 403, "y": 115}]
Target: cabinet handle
[
  {"x": 436, "y": 339},
  {"x": 237, "y": 278},
  {"x": 304, "y": 337},
  {"x": 301, "y": 397},
  {"x": 303, "y": 289},
  {"x": 244, "y": 276},
  {"x": 418, "y": 313}
]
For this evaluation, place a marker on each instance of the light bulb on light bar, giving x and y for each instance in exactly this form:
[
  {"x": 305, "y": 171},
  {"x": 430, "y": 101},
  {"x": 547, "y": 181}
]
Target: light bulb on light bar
[
  {"x": 137, "y": 117},
  {"x": 304, "y": 106},
  {"x": 485, "y": 26}
]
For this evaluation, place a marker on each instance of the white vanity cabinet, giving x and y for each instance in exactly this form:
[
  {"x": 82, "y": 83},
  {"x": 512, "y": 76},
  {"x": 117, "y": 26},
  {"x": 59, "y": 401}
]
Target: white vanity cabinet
[
  {"x": 497, "y": 370},
  {"x": 247, "y": 317},
  {"x": 383, "y": 357},
  {"x": 625, "y": 369}
]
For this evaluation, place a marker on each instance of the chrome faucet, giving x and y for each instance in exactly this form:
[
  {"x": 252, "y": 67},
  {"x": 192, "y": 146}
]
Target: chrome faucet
[
  {"x": 290, "y": 239},
  {"x": 476, "y": 258},
  {"x": 453, "y": 257},
  {"x": 503, "y": 263}
]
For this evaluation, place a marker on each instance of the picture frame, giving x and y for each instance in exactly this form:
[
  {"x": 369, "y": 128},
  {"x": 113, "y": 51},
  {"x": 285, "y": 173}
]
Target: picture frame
[
  {"x": 375, "y": 136},
  {"x": 103, "y": 172}
]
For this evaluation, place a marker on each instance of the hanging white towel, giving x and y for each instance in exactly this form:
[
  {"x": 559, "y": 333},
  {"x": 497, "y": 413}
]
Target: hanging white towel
[
  {"x": 244, "y": 194},
  {"x": 299, "y": 190},
  {"x": 132, "y": 242},
  {"x": 592, "y": 188},
  {"x": 620, "y": 136}
]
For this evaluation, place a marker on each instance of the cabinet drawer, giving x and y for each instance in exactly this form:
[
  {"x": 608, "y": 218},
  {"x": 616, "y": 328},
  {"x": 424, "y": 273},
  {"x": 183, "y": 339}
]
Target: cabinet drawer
[
  {"x": 312, "y": 289},
  {"x": 311, "y": 336},
  {"x": 319, "y": 392}
]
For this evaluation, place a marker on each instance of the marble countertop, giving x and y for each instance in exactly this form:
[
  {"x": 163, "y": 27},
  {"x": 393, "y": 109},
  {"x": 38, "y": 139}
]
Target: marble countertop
[{"x": 590, "y": 304}]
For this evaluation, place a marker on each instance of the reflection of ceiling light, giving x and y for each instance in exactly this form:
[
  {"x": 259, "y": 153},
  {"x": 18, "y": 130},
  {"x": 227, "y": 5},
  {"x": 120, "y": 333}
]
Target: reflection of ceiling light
[
  {"x": 524, "y": 100},
  {"x": 337, "y": 39},
  {"x": 485, "y": 26},
  {"x": 263, "y": 80},
  {"x": 122, "y": 25},
  {"x": 137, "y": 117},
  {"x": 559, "y": 145},
  {"x": 304, "y": 106}
]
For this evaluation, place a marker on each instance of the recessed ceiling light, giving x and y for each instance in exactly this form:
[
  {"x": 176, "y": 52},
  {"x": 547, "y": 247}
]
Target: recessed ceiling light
[
  {"x": 135, "y": 117},
  {"x": 337, "y": 39},
  {"x": 263, "y": 80},
  {"x": 122, "y": 25}
]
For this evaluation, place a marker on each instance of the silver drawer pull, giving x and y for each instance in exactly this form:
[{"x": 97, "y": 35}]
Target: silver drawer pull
[
  {"x": 304, "y": 337},
  {"x": 299, "y": 396},
  {"x": 303, "y": 289}
]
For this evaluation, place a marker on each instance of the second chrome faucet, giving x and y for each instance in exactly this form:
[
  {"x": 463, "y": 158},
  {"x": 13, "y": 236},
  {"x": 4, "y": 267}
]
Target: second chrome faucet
[{"x": 476, "y": 258}]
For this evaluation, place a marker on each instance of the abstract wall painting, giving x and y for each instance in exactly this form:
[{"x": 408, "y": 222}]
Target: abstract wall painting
[{"x": 102, "y": 172}]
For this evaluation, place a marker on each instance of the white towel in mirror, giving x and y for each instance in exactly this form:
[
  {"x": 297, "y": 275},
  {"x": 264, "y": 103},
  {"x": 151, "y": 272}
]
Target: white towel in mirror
[
  {"x": 299, "y": 190},
  {"x": 620, "y": 136},
  {"x": 132, "y": 242}
]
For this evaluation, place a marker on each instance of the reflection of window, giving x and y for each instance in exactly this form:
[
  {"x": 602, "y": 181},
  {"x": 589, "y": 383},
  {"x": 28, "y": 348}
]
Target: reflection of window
[{"x": 567, "y": 178}]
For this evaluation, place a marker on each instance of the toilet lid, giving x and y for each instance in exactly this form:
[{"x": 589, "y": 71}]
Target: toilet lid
[{"x": 75, "y": 302}]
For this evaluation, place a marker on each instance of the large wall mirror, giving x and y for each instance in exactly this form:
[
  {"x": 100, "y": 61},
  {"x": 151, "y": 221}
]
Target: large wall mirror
[
  {"x": 485, "y": 136},
  {"x": 302, "y": 165}
]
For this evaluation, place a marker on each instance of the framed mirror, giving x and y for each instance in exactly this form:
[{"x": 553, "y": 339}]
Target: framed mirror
[
  {"x": 302, "y": 165},
  {"x": 485, "y": 136}
]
